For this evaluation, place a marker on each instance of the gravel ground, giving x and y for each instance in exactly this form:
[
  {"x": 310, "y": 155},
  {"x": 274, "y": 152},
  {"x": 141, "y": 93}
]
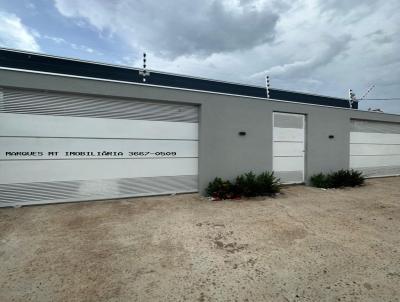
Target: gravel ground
[{"x": 304, "y": 245}]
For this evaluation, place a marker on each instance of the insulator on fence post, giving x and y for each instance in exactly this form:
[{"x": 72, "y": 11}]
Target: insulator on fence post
[
  {"x": 144, "y": 73},
  {"x": 267, "y": 86}
]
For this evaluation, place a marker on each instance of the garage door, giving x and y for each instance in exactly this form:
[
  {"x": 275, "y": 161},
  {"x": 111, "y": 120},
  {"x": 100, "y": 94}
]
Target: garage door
[
  {"x": 288, "y": 147},
  {"x": 56, "y": 147},
  {"x": 375, "y": 147}
]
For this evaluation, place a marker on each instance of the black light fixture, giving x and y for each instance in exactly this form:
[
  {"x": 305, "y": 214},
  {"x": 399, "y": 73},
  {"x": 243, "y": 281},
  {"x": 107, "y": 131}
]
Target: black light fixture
[
  {"x": 242, "y": 133},
  {"x": 331, "y": 136}
]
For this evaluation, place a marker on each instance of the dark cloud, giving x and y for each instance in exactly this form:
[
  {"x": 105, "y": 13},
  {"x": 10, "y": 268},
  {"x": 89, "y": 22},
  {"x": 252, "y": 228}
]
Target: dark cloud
[
  {"x": 347, "y": 6},
  {"x": 184, "y": 28},
  {"x": 317, "y": 46},
  {"x": 379, "y": 36},
  {"x": 331, "y": 49}
]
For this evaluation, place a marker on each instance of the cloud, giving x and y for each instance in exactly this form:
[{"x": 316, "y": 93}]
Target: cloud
[
  {"x": 379, "y": 36},
  {"x": 14, "y": 34},
  {"x": 316, "y": 46},
  {"x": 347, "y": 6},
  {"x": 59, "y": 40},
  {"x": 332, "y": 47},
  {"x": 183, "y": 28}
]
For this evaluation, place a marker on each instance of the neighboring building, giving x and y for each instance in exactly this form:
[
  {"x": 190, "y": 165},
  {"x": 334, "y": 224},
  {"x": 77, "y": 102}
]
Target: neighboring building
[{"x": 72, "y": 130}]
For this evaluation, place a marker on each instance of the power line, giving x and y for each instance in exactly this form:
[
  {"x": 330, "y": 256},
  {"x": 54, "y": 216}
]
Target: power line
[
  {"x": 368, "y": 91},
  {"x": 382, "y": 99}
]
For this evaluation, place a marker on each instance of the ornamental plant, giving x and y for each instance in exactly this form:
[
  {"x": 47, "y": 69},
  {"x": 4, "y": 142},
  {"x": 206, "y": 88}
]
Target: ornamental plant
[
  {"x": 338, "y": 179},
  {"x": 220, "y": 189},
  {"x": 245, "y": 185}
]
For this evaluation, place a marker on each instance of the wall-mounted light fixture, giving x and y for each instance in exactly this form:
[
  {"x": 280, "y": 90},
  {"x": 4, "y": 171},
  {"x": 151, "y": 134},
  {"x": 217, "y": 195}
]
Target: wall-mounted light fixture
[
  {"x": 242, "y": 133},
  {"x": 331, "y": 136}
]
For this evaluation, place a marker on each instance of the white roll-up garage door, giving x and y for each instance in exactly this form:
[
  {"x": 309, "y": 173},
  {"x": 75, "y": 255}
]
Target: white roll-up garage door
[
  {"x": 58, "y": 147},
  {"x": 288, "y": 146},
  {"x": 375, "y": 147}
]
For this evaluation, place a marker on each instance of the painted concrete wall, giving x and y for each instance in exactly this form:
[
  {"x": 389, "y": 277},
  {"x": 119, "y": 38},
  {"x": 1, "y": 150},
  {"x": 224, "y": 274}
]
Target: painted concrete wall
[{"x": 222, "y": 152}]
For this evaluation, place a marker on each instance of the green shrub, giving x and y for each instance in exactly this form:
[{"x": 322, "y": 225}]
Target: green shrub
[
  {"x": 320, "y": 180},
  {"x": 338, "y": 179},
  {"x": 346, "y": 178},
  {"x": 356, "y": 178},
  {"x": 220, "y": 189},
  {"x": 248, "y": 185},
  {"x": 268, "y": 184}
]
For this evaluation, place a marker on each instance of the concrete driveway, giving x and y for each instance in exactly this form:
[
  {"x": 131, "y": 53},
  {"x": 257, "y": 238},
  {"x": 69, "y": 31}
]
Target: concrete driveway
[{"x": 305, "y": 245}]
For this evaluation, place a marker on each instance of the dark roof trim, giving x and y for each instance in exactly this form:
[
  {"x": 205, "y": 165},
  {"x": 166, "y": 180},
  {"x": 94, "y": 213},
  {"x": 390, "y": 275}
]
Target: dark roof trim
[{"x": 44, "y": 63}]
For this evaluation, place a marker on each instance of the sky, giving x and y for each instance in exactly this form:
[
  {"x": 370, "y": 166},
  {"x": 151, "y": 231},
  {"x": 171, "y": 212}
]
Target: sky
[{"x": 316, "y": 46}]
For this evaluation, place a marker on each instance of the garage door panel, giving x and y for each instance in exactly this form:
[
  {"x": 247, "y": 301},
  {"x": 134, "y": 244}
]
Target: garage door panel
[
  {"x": 380, "y": 171},
  {"x": 374, "y": 149},
  {"x": 57, "y": 147},
  {"x": 374, "y": 138},
  {"x": 374, "y": 127},
  {"x": 374, "y": 161},
  {"x": 23, "y": 171},
  {"x": 61, "y": 126},
  {"x": 12, "y": 148},
  {"x": 48, "y": 103},
  {"x": 79, "y": 190}
]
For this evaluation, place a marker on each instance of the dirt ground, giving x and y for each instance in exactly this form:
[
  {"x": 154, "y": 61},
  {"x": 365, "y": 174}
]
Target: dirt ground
[{"x": 307, "y": 244}]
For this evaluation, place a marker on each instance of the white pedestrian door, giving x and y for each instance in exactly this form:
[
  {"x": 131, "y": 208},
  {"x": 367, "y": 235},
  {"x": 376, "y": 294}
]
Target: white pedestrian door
[{"x": 288, "y": 147}]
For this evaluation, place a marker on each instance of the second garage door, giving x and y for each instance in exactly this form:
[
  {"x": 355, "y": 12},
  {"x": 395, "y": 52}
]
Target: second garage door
[
  {"x": 56, "y": 147},
  {"x": 375, "y": 147}
]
